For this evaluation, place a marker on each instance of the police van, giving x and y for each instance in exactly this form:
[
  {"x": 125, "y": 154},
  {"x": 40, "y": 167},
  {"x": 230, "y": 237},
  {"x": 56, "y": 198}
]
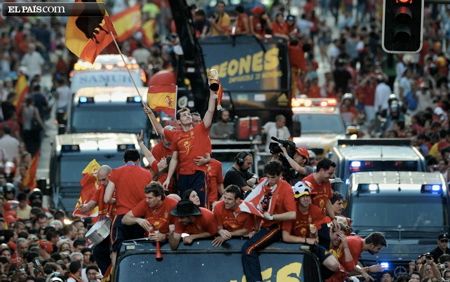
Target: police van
[
  {"x": 320, "y": 123},
  {"x": 107, "y": 70},
  {"x": 280, "y": 262},
  {"x": 72, "y": 152},
  {"x": 360, "y": 155},
  {"x": 410, "y": 208},
  {"x": 108, "y": 109}
]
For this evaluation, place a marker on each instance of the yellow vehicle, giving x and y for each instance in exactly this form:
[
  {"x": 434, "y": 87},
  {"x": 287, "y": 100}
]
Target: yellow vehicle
[{"x": 320, "y": 123}]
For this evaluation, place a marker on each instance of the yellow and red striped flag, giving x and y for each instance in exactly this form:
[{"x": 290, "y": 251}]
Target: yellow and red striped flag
[
  {"x": 21, "y": 92},
  {"x": 127, "y": 22},
  {"x": 163, "y": 98},
  {"x": 88, "y": 184},
  {"x": 87, "y": 36},
  {"x": 148, "y": 32}
]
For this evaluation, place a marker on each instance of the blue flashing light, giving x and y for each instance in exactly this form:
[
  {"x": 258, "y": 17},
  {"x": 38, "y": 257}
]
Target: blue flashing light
[
  {"x": 70, "y": 148},
  {"x": 85, "y": 100},
  {"x": 384, "y": 265},
  {"x": 371, "y": 188},
  {"x": 134, "y": 99},
  {"x": 436, "y": 188},
  {"x": 431, "y": 189},
  {"x": 355, "y": 164},
  {"x": 124, "y": 147}
]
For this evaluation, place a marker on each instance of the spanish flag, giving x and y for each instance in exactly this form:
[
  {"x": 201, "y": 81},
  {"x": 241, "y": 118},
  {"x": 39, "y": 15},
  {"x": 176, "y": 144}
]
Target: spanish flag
[
  {"x": 87, "y": 36},
  {"x": 163, "y": 98},
  {"x": 88, "y": 184},
  {"x": 30, "y": 178},
  {"x": 127, "y": 22},
  {"x": 21, "y": 92},
  {"x": 148, "y": 32}
]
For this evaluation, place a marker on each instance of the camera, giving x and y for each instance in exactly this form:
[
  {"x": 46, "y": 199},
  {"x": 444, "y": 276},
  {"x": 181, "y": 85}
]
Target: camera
[
  {"x": 275, "y": 148},
  {"x": 289, "y": 173}
]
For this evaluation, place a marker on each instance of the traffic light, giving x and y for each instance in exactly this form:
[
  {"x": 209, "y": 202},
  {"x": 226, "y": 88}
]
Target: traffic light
[{"x": 402, "y": 26}]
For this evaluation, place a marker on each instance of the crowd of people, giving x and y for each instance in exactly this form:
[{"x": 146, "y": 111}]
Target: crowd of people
[{"x": 40, "y": 244}]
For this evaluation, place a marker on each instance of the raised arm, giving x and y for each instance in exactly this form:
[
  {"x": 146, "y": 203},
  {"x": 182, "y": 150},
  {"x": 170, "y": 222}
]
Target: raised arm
[
  {"x": 207, "y": 119},
  {"x": 147, "y": 153},
  {"x": 172, "y": 167},
  {"x": 151, "y": 116}
]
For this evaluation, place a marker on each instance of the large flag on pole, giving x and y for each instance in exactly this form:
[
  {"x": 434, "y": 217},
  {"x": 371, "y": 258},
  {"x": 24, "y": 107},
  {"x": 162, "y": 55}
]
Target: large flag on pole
[
  {"x": 87, "y": 36},
  {"x": 127, "y": 22},
  {"x": 163, "y": 98},
  {"x": 148, "y": 32},
  {"x": 88, "y": 184},
  {"x": 21, "y": 92}
]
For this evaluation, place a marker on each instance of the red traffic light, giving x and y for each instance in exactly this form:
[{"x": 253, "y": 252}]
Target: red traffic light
[{"x": 402, "y": 25}]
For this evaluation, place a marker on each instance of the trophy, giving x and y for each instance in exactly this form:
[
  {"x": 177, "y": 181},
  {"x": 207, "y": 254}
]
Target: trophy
[{"x": 213, "y": 80}]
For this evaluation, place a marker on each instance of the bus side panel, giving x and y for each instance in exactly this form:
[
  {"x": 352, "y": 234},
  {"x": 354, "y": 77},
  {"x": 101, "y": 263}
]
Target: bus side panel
[{"x": 217, "y": 266}]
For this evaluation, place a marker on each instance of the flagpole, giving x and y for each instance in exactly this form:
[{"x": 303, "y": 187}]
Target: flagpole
[{"x": 132, "y": 79}]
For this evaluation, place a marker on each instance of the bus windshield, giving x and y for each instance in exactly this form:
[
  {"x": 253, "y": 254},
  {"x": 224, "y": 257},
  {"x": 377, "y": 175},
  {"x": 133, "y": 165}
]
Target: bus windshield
[
  {"x": 409, "y": 212},
  {"x": 108, "y": 118}
]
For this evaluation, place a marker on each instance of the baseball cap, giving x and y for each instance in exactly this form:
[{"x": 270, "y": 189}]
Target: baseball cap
[{"x": 302, "y": 152}]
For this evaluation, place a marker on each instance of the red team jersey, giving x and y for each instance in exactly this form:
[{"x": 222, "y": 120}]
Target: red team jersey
[
  {"x": 233, "y": 220},
  {"x": 202, "y": 223},
  {"x": 300, "y": 227},
  {"x": 320, "y": 193},
  {"x": 160, "y": 216}
]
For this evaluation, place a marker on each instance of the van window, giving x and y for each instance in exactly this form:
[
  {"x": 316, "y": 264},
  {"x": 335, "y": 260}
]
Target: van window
[
  {"x": 387, "y": 212},
  {"x": 108, "y": 118},
  {"x": 360, "y": 166},
  {"x": 320, "y": 123}
]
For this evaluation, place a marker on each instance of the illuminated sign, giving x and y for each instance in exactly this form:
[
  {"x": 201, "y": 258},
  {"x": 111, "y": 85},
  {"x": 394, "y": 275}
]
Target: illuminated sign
[{"x": 103, "y": 78}]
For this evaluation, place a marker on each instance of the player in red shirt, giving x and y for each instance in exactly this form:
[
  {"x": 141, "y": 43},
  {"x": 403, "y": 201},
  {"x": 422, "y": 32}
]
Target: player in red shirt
[
  {"x": 348, "y": 249},
  {"x": 308, "y": 220},
  {"x": 214, "y": 180},
  {"x": 278, "y": 205},
  {"x": 101, "y": 251},
  {"x": 195, "y": 222},
  {"x": 321, "y": 191},
  {"x": 127, "y": 182},
  {"x": 153, "y": 212},
  {"x": 230, "y": 220},
  {"x": 191, "y": 148}
]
